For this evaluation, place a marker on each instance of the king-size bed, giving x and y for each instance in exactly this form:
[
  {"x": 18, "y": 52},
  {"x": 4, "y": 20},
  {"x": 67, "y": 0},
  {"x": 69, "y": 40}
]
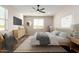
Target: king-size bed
[{"x": 47, "y": 38}]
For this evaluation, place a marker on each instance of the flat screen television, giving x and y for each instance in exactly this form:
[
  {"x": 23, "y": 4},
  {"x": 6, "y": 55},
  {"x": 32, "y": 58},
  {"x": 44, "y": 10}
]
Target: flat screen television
[{"x": 17, "y": 21}]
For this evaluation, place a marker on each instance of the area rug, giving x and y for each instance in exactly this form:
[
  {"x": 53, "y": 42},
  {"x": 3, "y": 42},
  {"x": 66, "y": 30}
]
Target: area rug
[{"x": 25, "y": 47}]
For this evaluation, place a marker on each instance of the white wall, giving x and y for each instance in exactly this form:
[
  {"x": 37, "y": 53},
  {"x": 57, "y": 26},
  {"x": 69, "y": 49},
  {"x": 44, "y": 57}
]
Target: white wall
[
  {"x": 69, "y": 10},
  {"x": 9, "y": 23},
  {"x": 48, "y": 21}
]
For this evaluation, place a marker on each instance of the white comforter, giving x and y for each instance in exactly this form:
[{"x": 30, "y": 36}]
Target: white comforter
[{"x": 54, "y": 40}]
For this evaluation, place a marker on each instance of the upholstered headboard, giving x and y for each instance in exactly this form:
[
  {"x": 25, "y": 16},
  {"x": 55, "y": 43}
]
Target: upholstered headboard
[{"x": 64, "y": 30}]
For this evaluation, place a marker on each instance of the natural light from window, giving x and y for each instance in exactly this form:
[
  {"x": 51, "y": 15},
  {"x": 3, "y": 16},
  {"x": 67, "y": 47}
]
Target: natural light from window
[
  {"x": 66, "y": 21},
  {"x": 38, "y": 24},
  {"x": 3, "y": 17}
]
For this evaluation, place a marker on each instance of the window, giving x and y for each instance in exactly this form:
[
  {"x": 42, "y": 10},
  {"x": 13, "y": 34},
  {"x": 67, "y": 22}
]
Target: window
[
  {"x": 3, "y": 17},
  {"x": 38, "y": 24},
  {"x": 66, "y": 21}
]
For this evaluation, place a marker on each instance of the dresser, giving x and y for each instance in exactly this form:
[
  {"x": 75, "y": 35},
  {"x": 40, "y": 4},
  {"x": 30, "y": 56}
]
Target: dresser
[{"x": 18, "y": 33}]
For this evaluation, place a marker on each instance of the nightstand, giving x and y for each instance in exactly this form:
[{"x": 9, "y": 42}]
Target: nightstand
[{"x": 74, "y": 44}]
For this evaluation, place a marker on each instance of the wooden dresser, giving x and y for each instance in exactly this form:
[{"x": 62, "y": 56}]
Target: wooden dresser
[
  {"x": 18, "y": 33},
  {"x": 74, "y": 44}
]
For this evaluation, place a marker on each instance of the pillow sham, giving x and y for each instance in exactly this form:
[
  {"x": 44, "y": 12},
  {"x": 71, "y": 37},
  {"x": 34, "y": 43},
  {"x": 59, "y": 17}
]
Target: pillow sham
[
  {"x": 76, "y": 34},
  {"x": 64, "y": 35},
  {"x": 55, "y": 32}
]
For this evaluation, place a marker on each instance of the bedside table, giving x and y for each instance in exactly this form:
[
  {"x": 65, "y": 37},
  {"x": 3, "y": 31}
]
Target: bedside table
[{"x": 74, "y": 44}]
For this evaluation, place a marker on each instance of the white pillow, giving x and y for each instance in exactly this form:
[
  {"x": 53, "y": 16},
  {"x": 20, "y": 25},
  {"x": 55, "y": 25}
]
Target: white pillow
[
  {"x": 63, "y": 34},
  {"x": 55, "y": 32},
  {"x": 76, "y": 34}
]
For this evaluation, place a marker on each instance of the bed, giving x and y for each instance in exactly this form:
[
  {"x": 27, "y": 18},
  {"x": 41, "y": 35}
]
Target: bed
[{"x": 54, "y": 39}]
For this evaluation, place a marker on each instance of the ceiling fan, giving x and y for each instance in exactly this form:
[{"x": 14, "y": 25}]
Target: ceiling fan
[{"x": 38, "y": 9}]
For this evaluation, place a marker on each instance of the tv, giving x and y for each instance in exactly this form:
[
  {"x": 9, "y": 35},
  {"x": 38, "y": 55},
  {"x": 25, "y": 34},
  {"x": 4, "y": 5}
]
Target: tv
[{"x": 17, "y": 21}]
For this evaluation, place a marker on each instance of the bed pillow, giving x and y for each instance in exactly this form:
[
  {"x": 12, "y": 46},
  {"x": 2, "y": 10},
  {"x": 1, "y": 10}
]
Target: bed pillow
[
  {"x": 76, "y": 34},
  {"x": 64, "y": 35},
  {"x": 9, "y": 41},
  {"x": 55, "y": 32}
]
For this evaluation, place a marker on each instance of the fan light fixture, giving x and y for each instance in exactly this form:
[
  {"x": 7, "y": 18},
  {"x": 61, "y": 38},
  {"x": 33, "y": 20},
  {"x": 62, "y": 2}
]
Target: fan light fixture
[{"x": 38, "y": 9}]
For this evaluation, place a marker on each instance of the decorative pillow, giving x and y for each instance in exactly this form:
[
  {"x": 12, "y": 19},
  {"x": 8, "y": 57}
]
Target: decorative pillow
[
  {"x": 76, "y": 34},
  {"x": 55, "y": 32},
  {"x": 63, "y": 34},
  {"x": 9, "y": 41}
]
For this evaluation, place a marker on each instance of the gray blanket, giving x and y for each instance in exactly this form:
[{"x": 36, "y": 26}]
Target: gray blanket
[{"x": 43, "y": 38}]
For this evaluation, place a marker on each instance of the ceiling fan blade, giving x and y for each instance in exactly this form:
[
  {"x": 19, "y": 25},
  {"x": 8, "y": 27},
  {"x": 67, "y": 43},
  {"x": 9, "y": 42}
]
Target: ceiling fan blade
[{"x": 42, "y": 9}]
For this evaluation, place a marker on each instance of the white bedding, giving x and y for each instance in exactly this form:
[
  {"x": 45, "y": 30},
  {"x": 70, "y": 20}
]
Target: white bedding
[{"x": 54, "y": 40}]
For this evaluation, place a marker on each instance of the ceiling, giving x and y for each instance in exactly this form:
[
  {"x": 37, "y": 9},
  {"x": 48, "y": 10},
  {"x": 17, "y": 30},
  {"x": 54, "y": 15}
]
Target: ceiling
[{"x": 27, "y": 10}]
